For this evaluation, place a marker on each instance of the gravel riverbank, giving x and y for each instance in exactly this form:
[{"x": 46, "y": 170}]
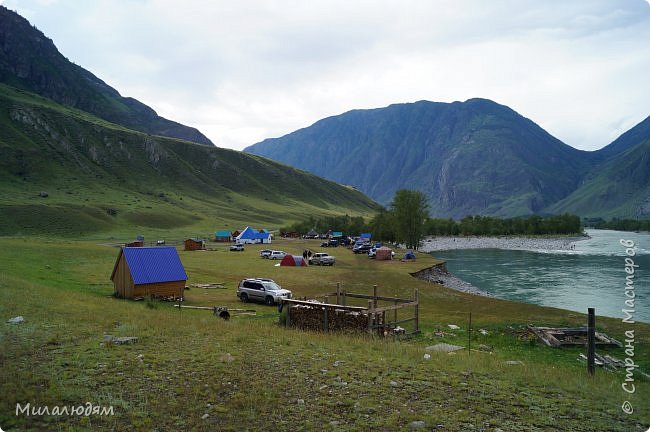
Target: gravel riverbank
[{"x": 432, "y": 244}]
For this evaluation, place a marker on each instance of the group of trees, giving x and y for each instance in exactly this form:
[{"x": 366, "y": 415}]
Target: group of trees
[
  {"x": 620, "y": 224},
  {"x": 407, "y": 221},
  {"x": 488, "y": 225}
]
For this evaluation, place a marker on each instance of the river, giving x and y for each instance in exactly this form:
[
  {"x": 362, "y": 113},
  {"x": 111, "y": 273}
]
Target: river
[{"x": 591, "y": 275}]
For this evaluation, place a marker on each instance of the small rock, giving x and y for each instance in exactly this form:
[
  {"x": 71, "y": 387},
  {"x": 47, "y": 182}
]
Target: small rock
[
  {"x": 323, "y": 387},
  {"x": 483, "y": 347},
  {"x": 427, "y": 356},
  {"x": 323, "y": 371},
  {"x": 417, "y": 425},
  {"x": 394, "y": 384},
  {"x": 16, "y": 320},
  {"x": 335, "y": 423},
  {"x": 514, "y": 362},
  {"x": 227, "y": 358},
  {"x": 205, "y": 416},
  {"x": 300, "y": 401},
  {"x": 484, "y": 332},
  {"x": 120, "y": 340},
  {"x": 443, "y": 347},
  {"x": 337, "y": 363},
  {"x": 453, "y": 327}
]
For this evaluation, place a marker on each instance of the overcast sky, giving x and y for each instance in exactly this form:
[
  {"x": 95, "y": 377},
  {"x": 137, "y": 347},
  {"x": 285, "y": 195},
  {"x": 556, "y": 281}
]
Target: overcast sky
[{"x": 242, "y": 71}]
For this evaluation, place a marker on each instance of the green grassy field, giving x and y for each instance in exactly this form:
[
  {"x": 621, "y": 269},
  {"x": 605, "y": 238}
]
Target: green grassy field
[{"x": 249, "y": 373}]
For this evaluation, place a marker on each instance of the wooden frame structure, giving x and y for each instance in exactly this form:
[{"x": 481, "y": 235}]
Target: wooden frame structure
[
  {"x": 373, "y": 319},
  {"x": 557, "y": 337}
]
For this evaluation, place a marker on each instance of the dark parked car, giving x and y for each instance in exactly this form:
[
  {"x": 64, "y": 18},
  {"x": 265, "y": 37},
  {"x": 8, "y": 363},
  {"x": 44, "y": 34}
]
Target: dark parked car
[{"x": 364, "y": 248}]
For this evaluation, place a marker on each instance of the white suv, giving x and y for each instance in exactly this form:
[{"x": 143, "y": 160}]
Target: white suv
[
  {"x": 277, "y": 255},
  {"x": 260, "y": 289}
]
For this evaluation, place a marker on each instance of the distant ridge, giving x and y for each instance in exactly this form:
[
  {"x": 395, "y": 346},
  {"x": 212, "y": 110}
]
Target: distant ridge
[
  {"x": 30, "y": 61},
  {"x": 472, "y": 157}
]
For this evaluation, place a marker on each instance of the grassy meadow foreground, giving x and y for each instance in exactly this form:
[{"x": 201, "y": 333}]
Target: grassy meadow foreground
[{"x": 192, "y": 371}]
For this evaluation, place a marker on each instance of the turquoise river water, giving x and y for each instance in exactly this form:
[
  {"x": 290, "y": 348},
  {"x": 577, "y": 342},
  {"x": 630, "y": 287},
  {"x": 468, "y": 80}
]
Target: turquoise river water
[{"x": 591, "y": 275}]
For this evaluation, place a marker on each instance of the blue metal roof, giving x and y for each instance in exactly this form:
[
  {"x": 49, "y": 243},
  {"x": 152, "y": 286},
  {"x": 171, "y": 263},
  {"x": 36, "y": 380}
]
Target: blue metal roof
[
  {"x": 222, "y": 234},
  {"x": 154, "y": 264}
]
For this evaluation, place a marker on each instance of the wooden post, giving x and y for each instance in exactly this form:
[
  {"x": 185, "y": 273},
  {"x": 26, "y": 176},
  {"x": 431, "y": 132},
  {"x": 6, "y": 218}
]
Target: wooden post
[
  {"x": 591, "y": 341},
  {"x": 288, "y": 320},
  {"x": 374, "y": 295},
  {"x": 344, "y": 298},
  {"x": 338, "y": 293},
  {"x": 417, "y": 307},
  {"x": 469, "y": 335}
]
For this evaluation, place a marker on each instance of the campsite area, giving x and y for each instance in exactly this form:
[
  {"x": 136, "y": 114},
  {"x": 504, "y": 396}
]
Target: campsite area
[{"x": 190, "y": 370}]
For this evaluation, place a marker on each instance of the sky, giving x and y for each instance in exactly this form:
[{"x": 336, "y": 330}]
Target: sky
[{"x": 244, "y": 71}]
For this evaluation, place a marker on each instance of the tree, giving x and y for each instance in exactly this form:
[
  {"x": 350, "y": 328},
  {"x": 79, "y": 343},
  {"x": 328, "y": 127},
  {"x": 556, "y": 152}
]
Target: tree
[{"x": 410, "y": 210}]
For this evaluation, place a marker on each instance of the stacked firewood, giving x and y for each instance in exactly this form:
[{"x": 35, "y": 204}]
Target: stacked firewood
[{"x": 312, "y": 318}]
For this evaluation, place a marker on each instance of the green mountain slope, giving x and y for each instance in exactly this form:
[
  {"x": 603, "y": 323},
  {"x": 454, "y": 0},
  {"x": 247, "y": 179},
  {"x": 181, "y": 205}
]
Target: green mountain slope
[
  {"x": 104, "y": 177},
  {"x": 474, "y": 157},
  {"x": 620, "y": 185},
  {"x": 30, "y": 61}
]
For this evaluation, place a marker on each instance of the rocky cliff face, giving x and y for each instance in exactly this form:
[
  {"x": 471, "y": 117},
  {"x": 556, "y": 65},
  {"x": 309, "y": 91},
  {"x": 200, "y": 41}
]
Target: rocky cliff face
[{"x": 30, "y": 61}]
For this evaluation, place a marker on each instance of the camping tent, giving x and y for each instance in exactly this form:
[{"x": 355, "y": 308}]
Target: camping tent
[
  {"x": 409, "y": 255},
  {"x": 251, "y": 236},
  {"x": 293, "y": 261},
  {"x": 384, "y": 253}
]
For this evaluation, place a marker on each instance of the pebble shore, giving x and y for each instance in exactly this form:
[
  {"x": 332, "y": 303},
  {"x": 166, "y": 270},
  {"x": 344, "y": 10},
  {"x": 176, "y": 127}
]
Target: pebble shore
[{"x": 432, "y": 244}]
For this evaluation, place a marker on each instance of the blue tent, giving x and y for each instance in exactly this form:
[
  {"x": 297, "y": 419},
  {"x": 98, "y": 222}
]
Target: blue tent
[
  {"x": 366, "y": 236},
  {"x": 250, "y": 236},
  {"x": 409, "y": 255}
]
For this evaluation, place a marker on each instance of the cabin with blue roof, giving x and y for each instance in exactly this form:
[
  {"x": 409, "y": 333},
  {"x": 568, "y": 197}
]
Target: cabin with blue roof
[{"x": 141, "y": 272}]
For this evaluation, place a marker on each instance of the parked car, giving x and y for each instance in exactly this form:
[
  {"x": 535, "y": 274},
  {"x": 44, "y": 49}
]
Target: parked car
[
  {"x": 372, "y": 252},
  {"x": 261, "y": 289},
  {"x": 363, "y": 248},
  {"x": 237, "y": 247},
  {"x": 322, "y": 258},
  {"x": 277, "y": 254},
  {"x": 265, "y": 253}
]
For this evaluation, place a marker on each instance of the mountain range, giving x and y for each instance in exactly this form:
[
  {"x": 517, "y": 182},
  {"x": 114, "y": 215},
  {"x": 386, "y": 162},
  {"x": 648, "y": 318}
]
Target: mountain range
[
  {"x": 110, "y": 163},
  {"x": 472, "y": 157},
  {"x": 30, "y": 61},
  {"x": 78, "y": 159}
]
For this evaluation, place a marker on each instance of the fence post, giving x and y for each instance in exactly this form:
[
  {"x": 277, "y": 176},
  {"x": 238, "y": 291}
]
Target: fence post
[
  {"x": 591, "y": 341},
  {"x": 374, "y": 295},
  {"x": 338, "y": 293},
  {"x": 417, "y": 307}
]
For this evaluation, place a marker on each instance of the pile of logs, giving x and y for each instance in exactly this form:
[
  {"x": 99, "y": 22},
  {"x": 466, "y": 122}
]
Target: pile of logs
[{"x": 314, "y": 317}]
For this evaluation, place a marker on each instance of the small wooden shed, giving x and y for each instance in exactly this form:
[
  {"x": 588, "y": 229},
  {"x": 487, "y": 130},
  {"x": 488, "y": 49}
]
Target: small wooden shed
[
  {"x": 149, "y": 271},
  {"x": 192, "y": 244},
  {"x": 222, "y": 236}
]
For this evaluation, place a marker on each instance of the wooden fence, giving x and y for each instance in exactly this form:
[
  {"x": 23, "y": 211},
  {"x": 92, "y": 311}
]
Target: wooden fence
[{"x": 379, "y": 317}]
